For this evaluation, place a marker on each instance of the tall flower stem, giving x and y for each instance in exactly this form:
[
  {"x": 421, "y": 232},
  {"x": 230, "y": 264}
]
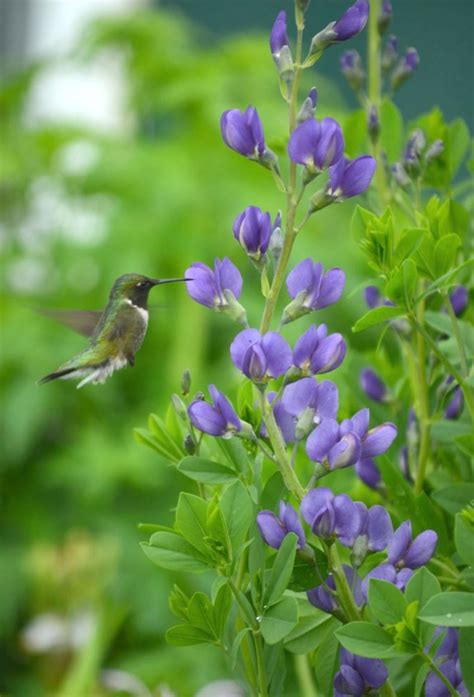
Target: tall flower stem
[
  {"x": 421, "y": 389},
  {"x": 291, "y": 197},
  {"x": 374, "y": 93},
  {"x": 288, "y": 474},
  {"x": 344, "y": 592}
]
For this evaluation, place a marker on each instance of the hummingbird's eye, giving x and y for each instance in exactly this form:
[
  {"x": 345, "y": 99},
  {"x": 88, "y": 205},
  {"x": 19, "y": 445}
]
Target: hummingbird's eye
[{"x": 141, "y": 284}]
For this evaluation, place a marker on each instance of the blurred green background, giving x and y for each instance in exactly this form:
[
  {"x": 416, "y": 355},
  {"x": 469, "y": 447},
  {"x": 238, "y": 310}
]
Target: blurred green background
[{"x": 81, "y": 205}]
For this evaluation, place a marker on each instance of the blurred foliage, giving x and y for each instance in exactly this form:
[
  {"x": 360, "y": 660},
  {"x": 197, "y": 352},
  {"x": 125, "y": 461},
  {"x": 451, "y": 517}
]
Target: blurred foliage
[{"x": 79, "y": 208}]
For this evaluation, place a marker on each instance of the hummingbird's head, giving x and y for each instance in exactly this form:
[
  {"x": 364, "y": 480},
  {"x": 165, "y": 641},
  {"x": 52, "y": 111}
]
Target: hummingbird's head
[{"x": 135, "y": 287}]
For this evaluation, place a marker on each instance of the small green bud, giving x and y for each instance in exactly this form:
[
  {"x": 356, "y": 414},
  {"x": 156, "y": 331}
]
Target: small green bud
[
  {"x": 179, "y": 407},
  {"x": 189, "y": 445},
  {"x": 185, "y": 382}
]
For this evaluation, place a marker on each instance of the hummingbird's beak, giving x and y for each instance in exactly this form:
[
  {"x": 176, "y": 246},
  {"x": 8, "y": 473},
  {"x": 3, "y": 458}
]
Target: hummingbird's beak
[{"x": 157, "y": 281}]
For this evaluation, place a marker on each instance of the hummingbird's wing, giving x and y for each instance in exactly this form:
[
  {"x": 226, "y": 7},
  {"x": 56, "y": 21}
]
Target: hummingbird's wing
[{"x": 81, "y": 321}]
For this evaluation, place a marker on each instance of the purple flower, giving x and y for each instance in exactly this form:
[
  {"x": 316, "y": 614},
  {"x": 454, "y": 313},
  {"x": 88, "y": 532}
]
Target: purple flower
[
  {"x": 217, "y": 419},
  {"x": 405, "y": 552},
  {"x": 352, "y": 21},
  {"x": 371, "y": 531},
  {"x": 316, "y": 144},
  {"x": 413, "y": 150},
  {"x": 260, "y": 357},
  {"x": 389, "y": 573},
  {"x": 218, "y": 289},
  {"x": 322, "y": 598},
  {"x": 357, "y": 676},
  {"x": 242, "y": 131},
  {"x": 253, "y": 229},
  {"x": 330, "y": 515},
  {"x": 368, "y": 472},
  {"x": 373, "y": 124},
  {"x": 274, "y": 529},
  {"x": 351, "y": 67},
  {"x": 455, "y": 405},
  {"x": 312, "y": 289},
  {"x": 405, "y": 68},
  {"x": 278, "y": 34},
  {"x": 349, "y": 178},
  {"x": 385, "y": 16},
  {"x": 451, "y": 669},
  {"x": 316, "y": 352},
  {"x": 374, "y": 298},
  {"x": 306, "y": 402},
  {"x": 449, "y": 646},
  {"x": 348, "y": 25},
  {"x": 459, "y": 298},
  {"x": 390, "y": 53},
  {"x": 345, "y": 444},
  {"x": 372, "y": 385}
]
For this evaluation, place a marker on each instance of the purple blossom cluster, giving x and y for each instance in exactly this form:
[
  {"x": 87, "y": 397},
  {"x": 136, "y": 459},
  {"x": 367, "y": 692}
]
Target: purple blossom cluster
[{"x": 363, "y": 530}]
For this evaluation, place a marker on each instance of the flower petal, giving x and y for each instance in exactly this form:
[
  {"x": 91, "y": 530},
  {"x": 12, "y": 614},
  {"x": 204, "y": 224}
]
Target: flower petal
[
  {"x": 322, "y": 439},
  {"x": 241, "y": 344}
]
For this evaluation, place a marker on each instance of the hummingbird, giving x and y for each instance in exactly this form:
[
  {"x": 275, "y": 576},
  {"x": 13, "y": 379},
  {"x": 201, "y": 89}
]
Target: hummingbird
[{"x": 115, "y": 333}]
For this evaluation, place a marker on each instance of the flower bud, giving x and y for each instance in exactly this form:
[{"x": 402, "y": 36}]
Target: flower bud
[
  {"x": 276, "y": 240},
  {"x": 351, "y": 23},
  {"x": 185, "y": 382},
  {"x": 455, "y": 406},
  {"x": 434, "y": 151},
  {"x": 373, "y": 124},
  {"x": 405, "y": 68},
  {"x": 400, "y": 176},
  {"x": 413, "y": 150},
  {"x": 390, "y": 54},
  {"x": 179, "y": 407},
  {"x": 459, "y": 299},
  {"x": 385, "y": 17},
  {"x": 253, "y": 229},
  {"x": 373, "y": 386},
  {"x": 189, "y": 445},
  {"x": 351, "y": 67},
  {"x": 308, "y": 108},
  {"x": 280, "y": 47}
]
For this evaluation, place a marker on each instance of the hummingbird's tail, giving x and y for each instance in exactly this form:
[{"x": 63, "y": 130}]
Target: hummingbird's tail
[{"x": 57, "y": 375}]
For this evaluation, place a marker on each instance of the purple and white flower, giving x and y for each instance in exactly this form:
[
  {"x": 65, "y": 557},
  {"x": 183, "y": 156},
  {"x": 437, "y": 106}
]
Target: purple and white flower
[
  {"x": 216, "y": 419},
  {"x": 316, "y": 144},
  {"x": 316, "y": 352},
  {"x": 312, "y": 289},
  {"x": 261, "y": 357},
  {"x": 358, "y": 676},
  {"x": 274, "y": 529},
  {"x": 253, "y": 229}
]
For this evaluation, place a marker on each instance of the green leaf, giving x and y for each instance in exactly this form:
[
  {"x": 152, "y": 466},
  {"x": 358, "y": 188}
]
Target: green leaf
[
  {"x": 170, "y": 551},
  {"x": 238, "y": 513},
  {"x": 386, "y": 601},
  {"x": 422, "y": 586},
  {"x": 191, "y": 520},
  {"x": 391, "y": 130},
  {"x": 366, "y": 639},
  {"x": 450, "y": 609},
  {"x": 445, "y": 253},
  {"x": 279, "y": 620},
  {"x": 457, "y": 145},
  {"x": 326, "y": 662},
  {"x": 235, "y": 452},
  {"x": 144, "y": 437},
  {"x": 410, "y": 278},
  {"x": 455, "y": 497},
  {"x": 464, "y": 539},
  {"x": 310, "y": 632},
  {"x": 445, "y": 280},
  {"x": 201, "y": 615},
  {"x": 234, "y": 652},
  {"x": 409, "y": 242},
  {"x": 222, "y": 605},
  {"x": 466, "y": 645},
  {"x": 420, "y": 679},
  {"x": 186, "y": 635},
  {"x": 355, "y": 132},
  {"x": 282, "y": 569},
  {"x": 376, "y": 316},
  {"x": 206, "y": 471}
]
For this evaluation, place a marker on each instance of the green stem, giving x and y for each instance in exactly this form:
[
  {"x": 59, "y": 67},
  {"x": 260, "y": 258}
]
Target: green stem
[
  {"x": 423, "y": 406},
  {"x": 452, "y": 691},
  {"x": 262, "y": 677},
  {"x": 346, "y": 599},
  {"x": 305, "y": 678},
  {"x": 449, "y": 581},
  {"x": 292, "y": 202},
  {"x": 387, "y": 690},
  {"x": 374, "y": 93},
  {"x": 292, "y": 482},
  {"x": 457, "y": 334},
  {"x": 452, "y": 370}
]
